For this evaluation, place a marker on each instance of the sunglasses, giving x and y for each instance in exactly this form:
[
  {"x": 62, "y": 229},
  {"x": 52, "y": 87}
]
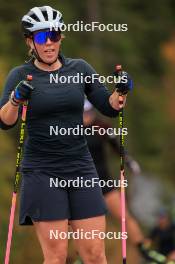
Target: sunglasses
[{"x": 42, "y": 36}]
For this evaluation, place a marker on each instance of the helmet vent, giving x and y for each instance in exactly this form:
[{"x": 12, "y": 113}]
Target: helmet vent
[
  {"x": 54, "y": 14},
  {"x": 26, "y": 24},
  {"x": 45, "y": 15},
  {"x": 61, "y": 20},
  {"x": 35, "y": 17}
]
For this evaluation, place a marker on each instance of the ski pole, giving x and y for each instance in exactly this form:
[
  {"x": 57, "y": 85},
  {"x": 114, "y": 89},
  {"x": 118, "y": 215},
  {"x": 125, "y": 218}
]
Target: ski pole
[
  {"x": 122, "y": 171},
  {"x": 17, "y": 179}
]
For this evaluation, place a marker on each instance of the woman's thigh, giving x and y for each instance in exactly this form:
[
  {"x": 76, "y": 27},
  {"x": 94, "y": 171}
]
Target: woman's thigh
[
  {"x": 51, "y": 241},
  {"x": 90, "y": 239}
]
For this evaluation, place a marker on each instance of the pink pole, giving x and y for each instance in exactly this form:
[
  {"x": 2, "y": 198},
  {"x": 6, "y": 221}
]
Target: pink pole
[
  {"x": 123, "y": 214},
  {"x": 17, "y": 177},
  {"x": 10, "y": 230}
]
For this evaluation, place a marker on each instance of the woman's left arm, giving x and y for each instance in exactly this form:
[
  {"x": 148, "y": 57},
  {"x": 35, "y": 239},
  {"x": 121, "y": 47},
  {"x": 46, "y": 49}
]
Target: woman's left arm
[{"x": 106, "y": 102}]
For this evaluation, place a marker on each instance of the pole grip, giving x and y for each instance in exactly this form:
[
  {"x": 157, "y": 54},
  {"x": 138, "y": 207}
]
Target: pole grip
[
  {"x": 24, "y": 108},
  {"x": 118, "y": 69},
  {"x": 29, "y": 77}
]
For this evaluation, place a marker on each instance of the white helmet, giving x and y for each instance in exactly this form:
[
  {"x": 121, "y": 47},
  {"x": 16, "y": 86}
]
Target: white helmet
[{"x": 39, "y": 18}]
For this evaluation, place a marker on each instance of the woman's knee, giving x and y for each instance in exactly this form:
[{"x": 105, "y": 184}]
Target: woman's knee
[
  {"x": 55, "y": 254},
  {"x": 55, "y": 257},
  {"x": 95, "y": 254},
  {"x": 54, "y": 249}
]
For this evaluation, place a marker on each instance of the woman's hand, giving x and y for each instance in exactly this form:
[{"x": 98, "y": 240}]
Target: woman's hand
[
  {"x": 118, "y": 98},
  {"x": 9, "y": 112},
  {"x": 117, "y": 101},
  {"x": 21, "y": 93}
]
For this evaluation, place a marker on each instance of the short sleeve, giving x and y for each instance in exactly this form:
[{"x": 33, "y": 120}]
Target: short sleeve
[
  {"x": 13, "y": 78},
  {"x": 97, "y": 93}
]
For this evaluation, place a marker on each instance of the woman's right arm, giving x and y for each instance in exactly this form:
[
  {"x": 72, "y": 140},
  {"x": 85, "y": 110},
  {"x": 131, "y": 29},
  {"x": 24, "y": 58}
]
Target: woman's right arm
[
  {"x": 9, "y": 114},
  {"x": 17, "y": 90},
  {"x": 8, "y": 111}
]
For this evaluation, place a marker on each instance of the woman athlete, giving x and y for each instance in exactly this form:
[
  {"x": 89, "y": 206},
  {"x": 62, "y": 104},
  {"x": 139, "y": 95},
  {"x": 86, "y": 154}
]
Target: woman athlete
[{"x": 57, "y": 106}]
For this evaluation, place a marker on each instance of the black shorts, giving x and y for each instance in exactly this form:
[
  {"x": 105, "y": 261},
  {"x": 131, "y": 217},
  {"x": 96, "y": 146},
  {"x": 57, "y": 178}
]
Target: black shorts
[
  {"x": 106, "y": 189},
  {"x": 104, "y": 176},
  {"x": 42, "y": 200}
]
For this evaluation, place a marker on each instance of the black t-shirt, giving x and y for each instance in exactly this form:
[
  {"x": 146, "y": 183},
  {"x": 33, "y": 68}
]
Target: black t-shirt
[{"x": 54, "y": 106}]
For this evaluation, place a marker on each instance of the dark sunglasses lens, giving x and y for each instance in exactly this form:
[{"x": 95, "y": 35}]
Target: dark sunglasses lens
[
  {"x": 40, "y": 37},
  {"x": 54, "y": 36}
]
